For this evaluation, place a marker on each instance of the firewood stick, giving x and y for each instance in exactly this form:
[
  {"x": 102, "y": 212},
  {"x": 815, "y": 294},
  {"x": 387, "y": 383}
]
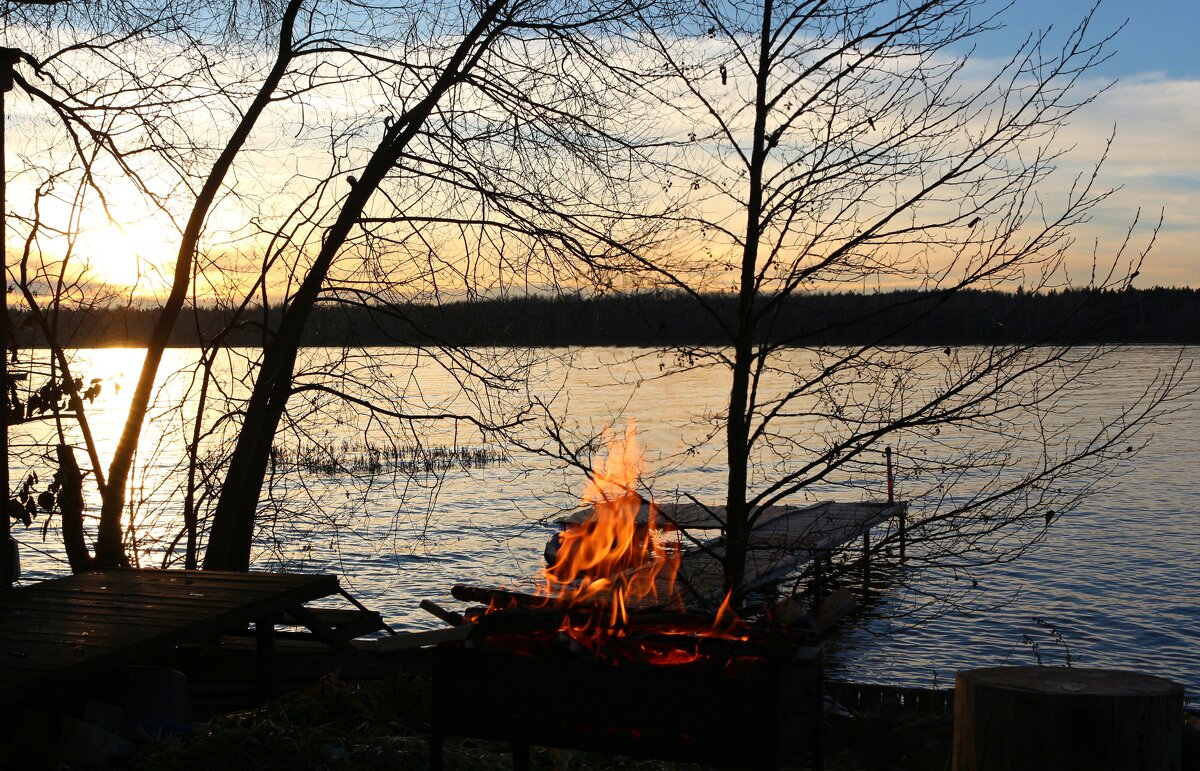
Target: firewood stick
[
  {"x": 410, "y": 640},
  {"x": 714, "y": 646},
  {"x": 505, "y": 598},
  {"x": 499, "y": 597},
  {"x": 521, "y": 620},
  {"x": 532, "y": 619},
  {"x": 449, "y": 616}
]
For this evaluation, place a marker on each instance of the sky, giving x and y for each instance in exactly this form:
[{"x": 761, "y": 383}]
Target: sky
[
  {"x": 1154, "y": 106},
  {"x": 1151, "y": 101},
  {"x": 1159, "y": 36}
]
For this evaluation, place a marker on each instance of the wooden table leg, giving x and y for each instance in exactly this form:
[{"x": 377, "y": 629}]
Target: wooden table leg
[{"x": 264, "y": 635}]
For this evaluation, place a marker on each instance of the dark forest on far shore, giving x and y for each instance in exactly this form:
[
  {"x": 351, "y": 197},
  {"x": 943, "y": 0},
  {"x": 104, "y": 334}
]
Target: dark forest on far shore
[{"x": 907, "y": 317}]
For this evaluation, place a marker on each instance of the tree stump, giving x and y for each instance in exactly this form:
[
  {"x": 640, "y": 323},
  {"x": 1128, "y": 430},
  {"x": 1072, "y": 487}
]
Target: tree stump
[{"x": 1055, "y": 718}]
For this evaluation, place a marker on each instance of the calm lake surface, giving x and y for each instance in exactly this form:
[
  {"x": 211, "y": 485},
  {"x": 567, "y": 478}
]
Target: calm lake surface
[{"x": 1116, "y": 583}]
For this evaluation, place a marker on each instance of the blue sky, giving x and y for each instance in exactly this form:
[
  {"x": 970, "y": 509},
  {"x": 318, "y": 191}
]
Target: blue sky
[
  {"x": 1154, "y": 108},
  {"x": 1161, "y": 36}
]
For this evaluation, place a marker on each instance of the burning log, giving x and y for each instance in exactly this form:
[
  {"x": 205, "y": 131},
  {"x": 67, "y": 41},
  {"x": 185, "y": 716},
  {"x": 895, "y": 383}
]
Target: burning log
[
  {"x": 658, "y": 637},
  {"x": 500, "y": 599},
  {"x": 554, "y": 618},
  {"x": 524, "y": 619},
  {"x": 505, "y": 600}
]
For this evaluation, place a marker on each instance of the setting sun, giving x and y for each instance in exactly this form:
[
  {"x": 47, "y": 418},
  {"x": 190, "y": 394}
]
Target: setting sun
[{"x": 131, "y": 255}]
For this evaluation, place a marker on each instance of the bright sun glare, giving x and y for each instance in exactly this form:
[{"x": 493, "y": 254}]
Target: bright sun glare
[{"x": 130, "y": 251}]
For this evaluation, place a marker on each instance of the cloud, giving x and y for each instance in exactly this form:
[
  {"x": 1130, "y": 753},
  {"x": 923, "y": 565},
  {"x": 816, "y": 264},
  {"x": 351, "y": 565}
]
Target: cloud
[
  {"x": 1157, "y": 121},
  {"x": 1155, "y": 161}
]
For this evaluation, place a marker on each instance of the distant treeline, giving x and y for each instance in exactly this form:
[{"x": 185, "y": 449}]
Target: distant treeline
[{"x": 901, "y": 317}]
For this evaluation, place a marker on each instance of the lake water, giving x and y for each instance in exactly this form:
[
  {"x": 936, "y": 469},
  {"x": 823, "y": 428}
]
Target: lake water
[{"x": 1115, "y": 583}]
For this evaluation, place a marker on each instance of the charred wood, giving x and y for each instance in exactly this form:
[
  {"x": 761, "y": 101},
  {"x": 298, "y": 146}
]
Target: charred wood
[{"x": 498, "y": 597}]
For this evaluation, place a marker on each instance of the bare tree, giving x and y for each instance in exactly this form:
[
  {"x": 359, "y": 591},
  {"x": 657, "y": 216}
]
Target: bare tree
[
  {"x": 764, "y": 149},
  {"x": 119, "y": 125},
  {"x": 852, "y": 145},
  {"x": 434, "y": 82},
  {"x": 505, "y": 83}
]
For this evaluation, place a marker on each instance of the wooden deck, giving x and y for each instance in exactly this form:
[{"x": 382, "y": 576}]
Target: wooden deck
[
  {"x": 784, "y": 539},
  {"x": 56, "y": 631},
  {"x": 694, "y": 516}
]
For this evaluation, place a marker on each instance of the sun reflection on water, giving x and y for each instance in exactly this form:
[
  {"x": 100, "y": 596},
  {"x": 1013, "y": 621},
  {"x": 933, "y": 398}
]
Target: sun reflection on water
[{"x": 161, "y": 448}]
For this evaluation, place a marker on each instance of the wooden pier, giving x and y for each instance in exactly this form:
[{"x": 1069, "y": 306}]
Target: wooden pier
[
  {"x": 784, "y": 539},
  {"x": 55, "y": 632}
]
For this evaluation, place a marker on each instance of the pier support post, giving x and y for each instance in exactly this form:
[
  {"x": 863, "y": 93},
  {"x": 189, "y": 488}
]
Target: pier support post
[{"x": 891, "y": 479}]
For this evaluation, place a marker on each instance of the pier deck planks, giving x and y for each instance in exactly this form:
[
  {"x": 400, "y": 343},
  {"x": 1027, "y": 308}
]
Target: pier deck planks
[
  {"x": 783, "y": 538},
  {"x": 782, "y": 541}
]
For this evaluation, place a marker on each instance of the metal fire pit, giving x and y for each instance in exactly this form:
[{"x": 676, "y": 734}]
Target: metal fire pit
[{"x": 751, "y": 713}]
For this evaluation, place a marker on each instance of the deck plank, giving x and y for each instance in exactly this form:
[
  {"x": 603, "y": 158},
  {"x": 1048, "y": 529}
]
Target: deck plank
[
  {"x": 686, "y": 516},
  {"x": 57, "y": 630},
  {"x": 782, "y": 544}
]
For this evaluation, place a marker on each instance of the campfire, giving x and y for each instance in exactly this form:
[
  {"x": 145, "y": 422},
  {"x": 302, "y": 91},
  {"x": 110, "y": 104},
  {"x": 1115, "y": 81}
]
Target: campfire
[
  {"x": 609, "y": 588},
  {"x": 591, "y": 657}
]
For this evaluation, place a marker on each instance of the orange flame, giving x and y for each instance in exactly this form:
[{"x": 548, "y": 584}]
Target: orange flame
[
  {"x": 728, "y": 623},
  {"x": 611, "y": 563},
  {"x": 611, "y": 559}
]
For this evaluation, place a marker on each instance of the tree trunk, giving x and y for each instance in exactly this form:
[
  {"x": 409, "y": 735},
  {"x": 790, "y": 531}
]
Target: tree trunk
[
  {"x": 110, "y": 550},
  {"x": 1057, "y": 719},
  {"x": 232, "y": 533},
  {"x": 741, "y": 392},
  {"x": 70, "y": 505}
]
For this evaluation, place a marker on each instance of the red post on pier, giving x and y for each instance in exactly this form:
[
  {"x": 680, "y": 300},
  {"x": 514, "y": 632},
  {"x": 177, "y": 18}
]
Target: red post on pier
[{"x": 890, "y": 480}]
